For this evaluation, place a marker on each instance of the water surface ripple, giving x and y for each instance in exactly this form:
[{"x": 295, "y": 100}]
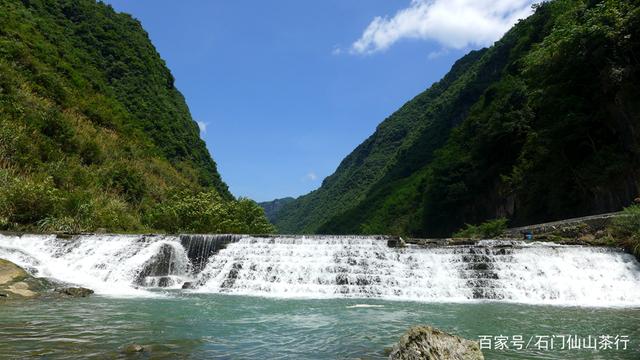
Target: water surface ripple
[{"x": 214, "y": 326}]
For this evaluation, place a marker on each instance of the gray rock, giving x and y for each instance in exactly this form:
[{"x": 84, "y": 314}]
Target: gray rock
[
  {"x": 74, "y": 291},
  {"x": 428, "y": 343},
  {"x": 16, "y": 283},
  {"x": 396, "y": 243},
  {"x": 188, "y": 285},
  {"x": 165, "y": 281}
]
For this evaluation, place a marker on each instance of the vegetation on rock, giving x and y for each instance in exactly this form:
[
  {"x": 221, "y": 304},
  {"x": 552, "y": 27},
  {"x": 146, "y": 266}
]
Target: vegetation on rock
[
  {"x": 626, "y": 227},
  {"x": 486, "y": 230}
]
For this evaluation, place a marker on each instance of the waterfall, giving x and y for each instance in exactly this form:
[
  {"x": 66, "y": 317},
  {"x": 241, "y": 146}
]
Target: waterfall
[
  {"x": 333, "y": 267},
  {"x": 109, "y": 264},
  {"x": 200, "y": 247}
]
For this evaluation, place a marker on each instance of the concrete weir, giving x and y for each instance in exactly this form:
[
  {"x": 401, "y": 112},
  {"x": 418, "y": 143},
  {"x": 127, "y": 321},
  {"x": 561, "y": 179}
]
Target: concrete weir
[{"x": 380, "y": 267}]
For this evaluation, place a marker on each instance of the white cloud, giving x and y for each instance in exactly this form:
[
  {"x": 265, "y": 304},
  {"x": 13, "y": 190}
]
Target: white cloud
[
  {"x": 455, "y": 24},
  {"x": 436, "y": 54},
  {"x": 203, "y": 127},
  {"x": 311, "y": 176}
]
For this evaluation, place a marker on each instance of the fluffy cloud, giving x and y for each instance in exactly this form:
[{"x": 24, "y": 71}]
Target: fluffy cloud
[
  {"x": 203, "y": 126},
  {"x": 454, "y": 24},
  {"x": 311, "y": 176}
]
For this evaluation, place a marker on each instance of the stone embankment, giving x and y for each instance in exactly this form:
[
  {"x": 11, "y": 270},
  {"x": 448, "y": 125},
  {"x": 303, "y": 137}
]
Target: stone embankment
[{"x": 569, "y": 228}]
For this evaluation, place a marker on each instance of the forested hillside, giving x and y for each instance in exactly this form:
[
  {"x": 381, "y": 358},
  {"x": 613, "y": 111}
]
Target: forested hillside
[
  {"x": 541, "y": 126},
  {"x": 93, "y": 132}
]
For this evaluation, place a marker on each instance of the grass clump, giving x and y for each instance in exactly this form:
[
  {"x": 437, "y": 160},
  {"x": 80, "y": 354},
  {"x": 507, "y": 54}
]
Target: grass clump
[
  {"x": 488, "y": 229},
  {"x": 626, "y": 229}
]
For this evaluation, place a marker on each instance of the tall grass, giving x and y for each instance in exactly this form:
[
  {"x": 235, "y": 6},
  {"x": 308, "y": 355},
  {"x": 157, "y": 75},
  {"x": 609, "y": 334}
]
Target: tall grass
[
  {"x": 626, "y": 229},
  {"x": 489, "y": 229}
]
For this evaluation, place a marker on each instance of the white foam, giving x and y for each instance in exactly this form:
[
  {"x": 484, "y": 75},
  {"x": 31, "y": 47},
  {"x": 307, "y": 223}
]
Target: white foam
[
  {"x": 336, "y": 267},
  {"x": 357, "y": 267},
  {"x": 107, "y": 264}
]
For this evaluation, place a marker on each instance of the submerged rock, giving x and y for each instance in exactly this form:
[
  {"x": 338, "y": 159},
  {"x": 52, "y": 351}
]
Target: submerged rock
[
  {"x": 74, "y": 291},
  {"x": 188, "y": 285},
  {"x": 428, "y": 343},
  {"x": 16, "y": 283},
  {"x": 133, "y": 348}
]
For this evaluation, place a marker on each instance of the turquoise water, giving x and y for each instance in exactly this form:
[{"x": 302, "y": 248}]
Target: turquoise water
[{"x": 198, "y": 326}]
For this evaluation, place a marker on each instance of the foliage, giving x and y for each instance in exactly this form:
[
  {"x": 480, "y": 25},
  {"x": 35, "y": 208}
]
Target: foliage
[
  {"x": 26, "y": 201},
  {"x": 93, "y": 133},
  {"x": 208, "y": 212},
  {"x": 628, "y": 224},
  {"x": 626, "y": 228},
  {"x": 486, "y": 230}
]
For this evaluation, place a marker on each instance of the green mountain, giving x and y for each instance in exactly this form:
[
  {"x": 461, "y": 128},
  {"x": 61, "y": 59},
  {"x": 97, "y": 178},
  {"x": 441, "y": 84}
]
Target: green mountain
[
  {"x": 543, "y": 125},
  {"x": 272, "y": 208},
  {"x": 93, "y": 132}
]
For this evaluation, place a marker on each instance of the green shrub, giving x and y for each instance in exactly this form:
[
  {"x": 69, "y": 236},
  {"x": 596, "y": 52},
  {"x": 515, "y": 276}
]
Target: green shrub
[
  {"x": 204, "y": 212},
  {"x": 86, "y": 211},
  {"x": 626, "y": 229},
  {"x": 488, "y": 229},
  {"x": 249, "y": 218},
  {"x": 91, "y": 153},
  {"x": 628, "y": 224},
  {"x": 25, "y": 200},
  {"x": 126, "y": 181},
  {"x": 208, "y": 212}
]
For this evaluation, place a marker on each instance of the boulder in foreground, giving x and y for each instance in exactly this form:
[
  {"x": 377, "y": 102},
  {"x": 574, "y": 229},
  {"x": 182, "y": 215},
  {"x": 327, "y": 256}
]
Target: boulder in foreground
[
  {"x": 428, "y": 343},
  {"x": 16, "y": 283}
]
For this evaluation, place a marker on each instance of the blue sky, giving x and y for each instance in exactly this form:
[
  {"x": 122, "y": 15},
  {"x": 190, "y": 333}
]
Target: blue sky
[{"x": 285, "y": 89}]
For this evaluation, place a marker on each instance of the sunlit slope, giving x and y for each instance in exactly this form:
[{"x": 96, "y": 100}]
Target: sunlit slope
[{"x": 93, "y": 132}]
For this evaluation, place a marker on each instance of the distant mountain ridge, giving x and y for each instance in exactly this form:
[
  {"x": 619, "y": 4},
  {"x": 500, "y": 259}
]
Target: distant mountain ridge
[
  {"x": 273, "y": 207},
  {"x": 541, "y": 126}
]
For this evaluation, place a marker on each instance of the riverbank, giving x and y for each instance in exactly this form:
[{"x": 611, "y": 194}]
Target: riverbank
[
  {"x": 619, "y": 229},
  {"x": 614, "y": 230}
]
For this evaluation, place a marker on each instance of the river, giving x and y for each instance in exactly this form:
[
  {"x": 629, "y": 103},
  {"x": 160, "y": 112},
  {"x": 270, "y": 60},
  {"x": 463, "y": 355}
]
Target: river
[{"x": 319, "y": 297}]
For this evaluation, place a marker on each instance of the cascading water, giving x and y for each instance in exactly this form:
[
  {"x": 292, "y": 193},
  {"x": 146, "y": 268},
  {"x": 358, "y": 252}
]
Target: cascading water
[
  {"x": 364, "y": 267},
  {"x": 109, "y": 264},
  {"x": 329, "y": 267}
]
